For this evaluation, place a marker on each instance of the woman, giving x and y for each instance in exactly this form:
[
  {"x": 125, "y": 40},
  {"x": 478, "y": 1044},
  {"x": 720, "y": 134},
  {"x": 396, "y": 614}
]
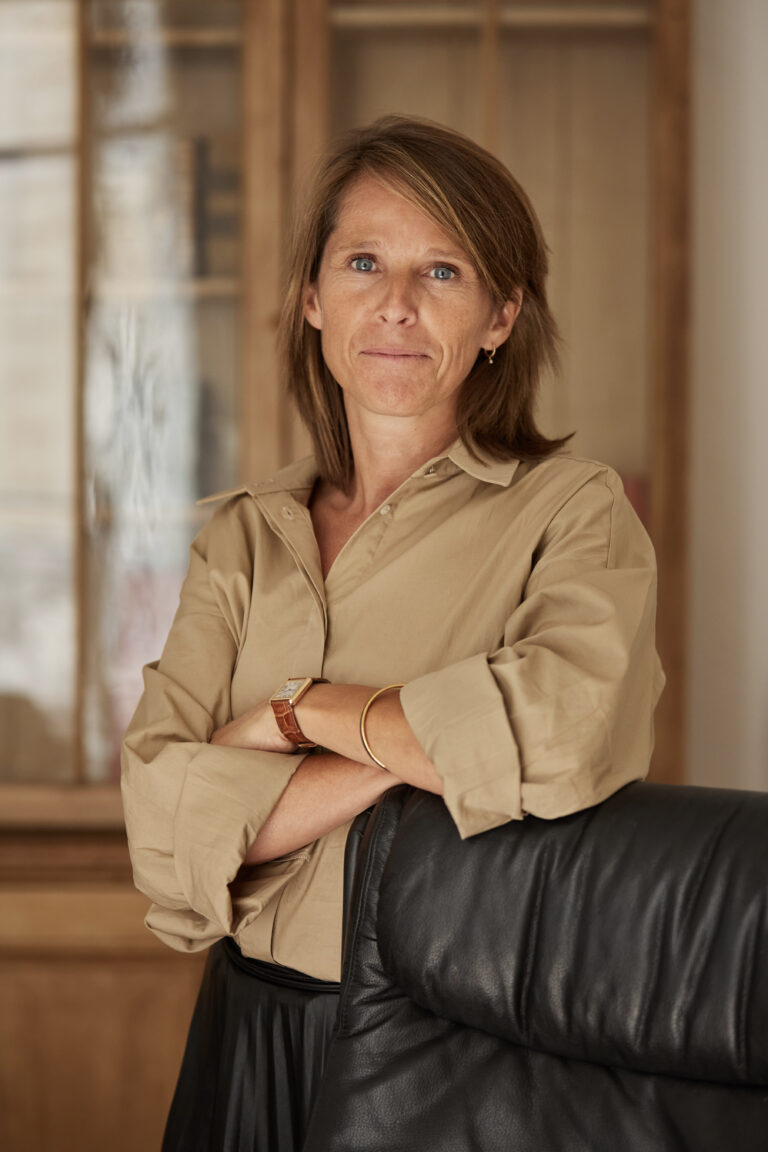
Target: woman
[{"x": 439, "y": 597}]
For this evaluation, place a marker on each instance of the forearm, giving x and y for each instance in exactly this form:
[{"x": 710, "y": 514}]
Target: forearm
[
  {"x": 325, "y": 792},
  {"x": 329, "y": 714},
  {"x": 331, "y": 787}
]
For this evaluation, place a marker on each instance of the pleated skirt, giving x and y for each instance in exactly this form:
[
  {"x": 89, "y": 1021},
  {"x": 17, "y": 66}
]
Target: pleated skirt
[{"x": 254, "y": 1057}]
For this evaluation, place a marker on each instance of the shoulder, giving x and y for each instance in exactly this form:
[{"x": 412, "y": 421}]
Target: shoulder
[
  {"x": 241, "y": 507},
  {"x": 295, "y": 477},
  {"x": 588, "y": 504},
  {"x": 577, "y": 502},
  {"x": 291, "y": 477},
  {"x": 561, "y": 476},
  {"x": 562, "y": 489}
]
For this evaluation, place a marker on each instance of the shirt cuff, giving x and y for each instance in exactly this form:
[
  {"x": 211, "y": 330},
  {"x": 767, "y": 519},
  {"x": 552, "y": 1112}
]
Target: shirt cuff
[
  {"x": 459, "y": 718},
  {"x": 227, "y": 795}
]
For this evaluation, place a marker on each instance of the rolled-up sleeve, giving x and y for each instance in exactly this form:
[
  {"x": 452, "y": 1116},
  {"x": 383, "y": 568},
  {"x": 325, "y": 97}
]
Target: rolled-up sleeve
[
  {"x": 192, "y": 809},
  {"x": 561, "y": 714}
]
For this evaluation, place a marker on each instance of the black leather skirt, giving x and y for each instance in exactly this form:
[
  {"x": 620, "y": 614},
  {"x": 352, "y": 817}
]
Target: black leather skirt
[{"x": 254, "y": 1057}]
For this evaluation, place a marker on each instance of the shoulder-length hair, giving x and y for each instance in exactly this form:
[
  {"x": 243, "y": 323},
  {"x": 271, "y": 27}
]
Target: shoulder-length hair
[{"x": 476, "y": 200}]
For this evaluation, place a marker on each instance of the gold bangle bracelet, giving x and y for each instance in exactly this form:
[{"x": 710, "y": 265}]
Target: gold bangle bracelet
[{"x": 363, "y": 716}]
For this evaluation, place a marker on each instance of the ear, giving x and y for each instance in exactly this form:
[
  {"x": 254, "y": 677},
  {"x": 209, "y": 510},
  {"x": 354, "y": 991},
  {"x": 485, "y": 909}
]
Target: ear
[
  {"x": 504, "y": 320},
  {"x": 313, "y": 313}
]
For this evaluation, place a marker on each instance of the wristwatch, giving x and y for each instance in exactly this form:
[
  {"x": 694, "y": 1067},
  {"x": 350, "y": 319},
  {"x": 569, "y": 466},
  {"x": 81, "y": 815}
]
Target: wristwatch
[{"x": 283, "y": 702}]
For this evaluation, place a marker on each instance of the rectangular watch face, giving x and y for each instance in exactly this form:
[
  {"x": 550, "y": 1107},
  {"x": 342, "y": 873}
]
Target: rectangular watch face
[{"x": 290, "y": 688}]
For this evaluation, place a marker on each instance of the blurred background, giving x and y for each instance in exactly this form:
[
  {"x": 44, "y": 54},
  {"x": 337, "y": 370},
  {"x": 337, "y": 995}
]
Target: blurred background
[{"x": 152, "y": 153}]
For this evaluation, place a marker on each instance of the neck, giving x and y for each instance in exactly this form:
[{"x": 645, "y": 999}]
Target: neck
[{"x": 387, "y": 451}]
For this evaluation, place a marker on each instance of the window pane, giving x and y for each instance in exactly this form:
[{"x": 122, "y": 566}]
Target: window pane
[
  {"x": 161, "y": 359},
  {"x": 37, "y": 389}
]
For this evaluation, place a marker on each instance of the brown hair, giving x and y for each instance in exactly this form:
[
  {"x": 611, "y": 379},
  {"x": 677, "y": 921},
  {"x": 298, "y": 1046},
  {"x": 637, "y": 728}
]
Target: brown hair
[{"x": 476, "y": 200}]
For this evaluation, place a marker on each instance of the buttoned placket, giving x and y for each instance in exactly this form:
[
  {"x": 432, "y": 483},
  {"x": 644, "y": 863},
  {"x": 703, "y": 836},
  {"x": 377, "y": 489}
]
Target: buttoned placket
[
  {"x": 290, "y": 519},
  {"x": 359, "y": 552}
]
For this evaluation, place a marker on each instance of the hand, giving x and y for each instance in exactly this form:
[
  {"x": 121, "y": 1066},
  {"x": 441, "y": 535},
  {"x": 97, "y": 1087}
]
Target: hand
[{"x": 257, "y": 729}]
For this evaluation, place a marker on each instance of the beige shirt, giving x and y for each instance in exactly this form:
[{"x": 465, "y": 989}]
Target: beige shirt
[{"x": 515, "y": 601}]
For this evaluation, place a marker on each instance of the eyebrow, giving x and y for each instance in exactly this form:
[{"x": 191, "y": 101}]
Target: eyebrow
[{"x": 449, "y": 253}]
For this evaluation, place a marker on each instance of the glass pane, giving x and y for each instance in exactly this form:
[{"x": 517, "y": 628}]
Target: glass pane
[
  {"x": 37, "y": 389},
  {"x": 161, "y": 367},
  {"x": 127, "y": 15},
  {"x": 38, "y": 92}
]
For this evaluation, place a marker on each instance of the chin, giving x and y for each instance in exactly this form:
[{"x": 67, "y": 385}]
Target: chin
[{"x": 394, "y": 393}]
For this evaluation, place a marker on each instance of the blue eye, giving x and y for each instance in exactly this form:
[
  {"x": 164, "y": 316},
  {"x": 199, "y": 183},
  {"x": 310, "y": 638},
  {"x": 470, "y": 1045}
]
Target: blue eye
[
  {"x": 363, "y": 264},
  {"x": 444, "y": 272}
]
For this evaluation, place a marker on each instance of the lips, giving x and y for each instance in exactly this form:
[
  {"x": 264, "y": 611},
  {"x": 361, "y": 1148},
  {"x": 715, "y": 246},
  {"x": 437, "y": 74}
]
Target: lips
[{"x": 395, "y": 353}]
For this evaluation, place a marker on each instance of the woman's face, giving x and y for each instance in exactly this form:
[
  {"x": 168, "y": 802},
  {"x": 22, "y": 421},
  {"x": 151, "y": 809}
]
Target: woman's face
[{"x": 402, "y": 311}]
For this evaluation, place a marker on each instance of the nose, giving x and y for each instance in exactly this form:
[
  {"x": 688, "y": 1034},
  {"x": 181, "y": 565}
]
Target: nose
[{"x": 397, "y": 304}]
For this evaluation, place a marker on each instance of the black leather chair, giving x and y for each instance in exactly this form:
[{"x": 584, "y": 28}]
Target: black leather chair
[{"x": 597, "y": 983}]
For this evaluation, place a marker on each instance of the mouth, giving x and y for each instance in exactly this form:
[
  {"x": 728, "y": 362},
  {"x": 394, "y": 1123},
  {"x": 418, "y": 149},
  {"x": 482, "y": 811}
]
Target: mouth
[{"x": 395, "y": 353}]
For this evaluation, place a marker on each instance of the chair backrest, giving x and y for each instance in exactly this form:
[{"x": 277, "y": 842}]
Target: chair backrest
[{"x": 593, "y": 983}]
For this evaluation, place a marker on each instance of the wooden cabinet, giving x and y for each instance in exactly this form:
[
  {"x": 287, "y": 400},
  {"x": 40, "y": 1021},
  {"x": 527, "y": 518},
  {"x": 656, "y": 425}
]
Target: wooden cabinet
[
  {"x": 151, "y": 158},
  {"x": 148, "y": 178}
]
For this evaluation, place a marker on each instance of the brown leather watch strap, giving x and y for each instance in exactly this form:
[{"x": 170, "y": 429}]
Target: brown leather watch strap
[
  {"x": 288, "y": 725},
  {"x": 283, "y": 704}
]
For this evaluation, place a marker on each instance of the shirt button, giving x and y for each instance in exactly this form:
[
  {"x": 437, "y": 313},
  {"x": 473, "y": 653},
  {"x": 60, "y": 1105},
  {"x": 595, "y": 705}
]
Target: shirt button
[
  {"x": 385, "y": 508},
  {"x": 431, "y": 470},
  {"x": 288, "y": 512}
]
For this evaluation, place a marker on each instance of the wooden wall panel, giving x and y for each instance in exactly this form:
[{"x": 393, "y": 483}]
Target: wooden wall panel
[
  {"x": 535, "y": 142},
  {"x": 607, "y": 366},
  {"x": 94, "y": 1010},
  {"x": 432, "y": 74},
  {"x": 574, "y": 131},
  {"x": 90, "y": 1047}
]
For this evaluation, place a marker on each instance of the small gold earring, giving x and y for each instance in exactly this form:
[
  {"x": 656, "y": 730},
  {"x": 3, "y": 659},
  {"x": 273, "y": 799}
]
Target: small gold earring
[{"x": 490, "y": 354}]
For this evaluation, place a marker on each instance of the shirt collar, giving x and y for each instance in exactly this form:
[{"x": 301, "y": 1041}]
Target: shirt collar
[
  {"x": 301, "y": 475},
  {"x": 481, "y": 465},
  {"x": 296, "y": 477}
]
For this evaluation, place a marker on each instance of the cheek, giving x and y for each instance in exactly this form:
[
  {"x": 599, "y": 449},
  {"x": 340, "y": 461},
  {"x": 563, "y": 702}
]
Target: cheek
[
  {"x": 335, "y": 330},
  {"x": 469, "y": 317},
  {"x": 334, "y": 343},
  {"x": 465, "y": 334}
]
